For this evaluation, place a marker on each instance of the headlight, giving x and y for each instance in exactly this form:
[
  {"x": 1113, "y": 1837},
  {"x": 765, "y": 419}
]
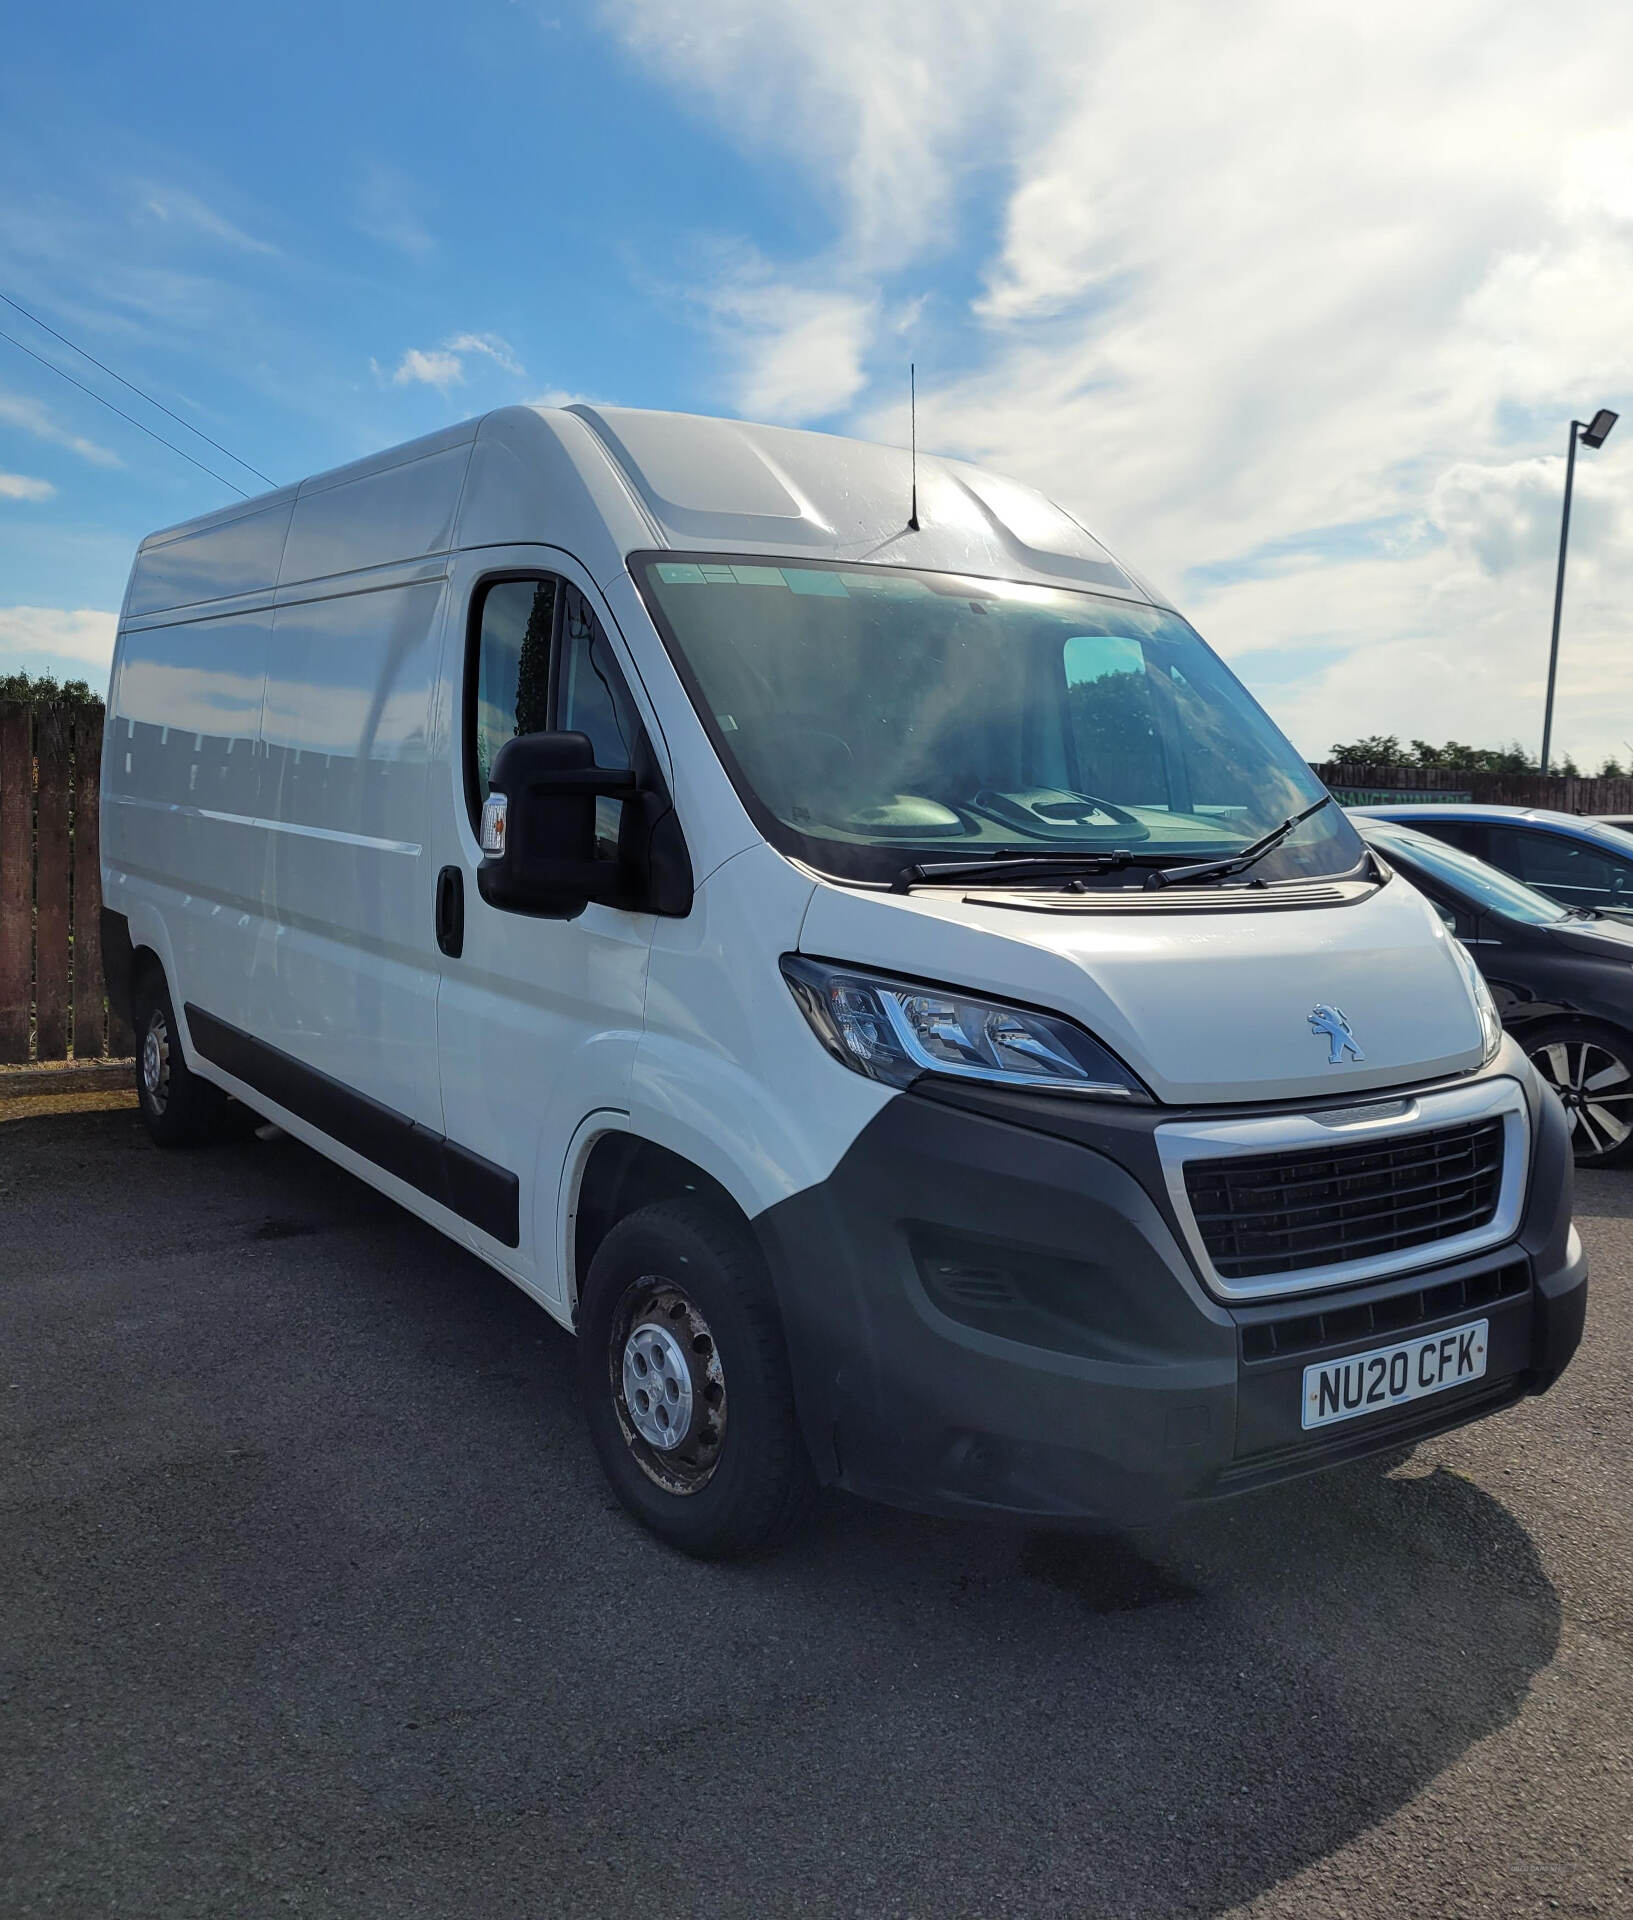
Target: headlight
[
  {"x": 895, "y": 1031},
  {"x": 1491, "y": 1021}
]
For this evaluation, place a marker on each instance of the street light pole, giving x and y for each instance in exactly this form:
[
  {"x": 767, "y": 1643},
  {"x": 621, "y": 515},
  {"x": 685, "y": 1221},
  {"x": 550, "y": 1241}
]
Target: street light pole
[{"x": 1593, "y": 434}]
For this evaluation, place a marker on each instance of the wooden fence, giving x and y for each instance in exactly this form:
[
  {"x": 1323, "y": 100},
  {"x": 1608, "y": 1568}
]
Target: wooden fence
[
  {"x": 52, "y": 1001},
  {"x": 1555, "y": 790}
]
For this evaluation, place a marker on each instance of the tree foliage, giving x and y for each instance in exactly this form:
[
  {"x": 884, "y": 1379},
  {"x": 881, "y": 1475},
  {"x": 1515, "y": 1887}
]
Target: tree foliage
[
  {"x": 1455, "y": 756},
  {"x": 44, "y": 689}
]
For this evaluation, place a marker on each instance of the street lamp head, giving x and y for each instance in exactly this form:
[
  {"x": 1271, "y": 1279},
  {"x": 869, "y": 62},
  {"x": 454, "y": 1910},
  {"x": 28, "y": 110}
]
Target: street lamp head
[{"x": 1597, "y": 431}]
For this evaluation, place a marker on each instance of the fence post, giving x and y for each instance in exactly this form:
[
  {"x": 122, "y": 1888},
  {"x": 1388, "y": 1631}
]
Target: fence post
[
  {"x": 88, "y": 987},
  {"x": 51, "y": 1001},
  {"x": 16, "y": 878}
]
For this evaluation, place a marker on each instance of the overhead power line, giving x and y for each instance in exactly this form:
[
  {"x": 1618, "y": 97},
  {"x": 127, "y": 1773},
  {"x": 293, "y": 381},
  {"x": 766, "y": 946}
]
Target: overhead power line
[
  {"x": 131, "y": 384},
  {"x": 163, "y": 442}
]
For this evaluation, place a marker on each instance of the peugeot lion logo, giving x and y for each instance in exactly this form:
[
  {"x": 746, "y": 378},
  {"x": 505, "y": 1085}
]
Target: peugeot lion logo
[{"x": 1331, "y": 1024}]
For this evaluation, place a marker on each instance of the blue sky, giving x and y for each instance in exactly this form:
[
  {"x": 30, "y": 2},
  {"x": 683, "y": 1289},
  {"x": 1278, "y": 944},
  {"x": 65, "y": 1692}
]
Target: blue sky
[{"x": 1291, "y": 308}]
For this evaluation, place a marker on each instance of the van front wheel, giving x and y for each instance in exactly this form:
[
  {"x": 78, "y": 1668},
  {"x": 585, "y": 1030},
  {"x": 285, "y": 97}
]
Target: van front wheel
[{"x": 685, "y": 1382}]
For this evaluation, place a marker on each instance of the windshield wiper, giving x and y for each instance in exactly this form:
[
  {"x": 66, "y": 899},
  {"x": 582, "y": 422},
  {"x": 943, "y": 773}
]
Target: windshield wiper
[
  {"x": 1020, "y": 866},
  {"x": 1237, "y": 862}
]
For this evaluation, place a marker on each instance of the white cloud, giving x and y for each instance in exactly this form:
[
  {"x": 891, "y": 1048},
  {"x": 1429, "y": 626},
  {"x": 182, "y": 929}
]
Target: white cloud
[
  {"x": 35, "y": 639},
  {"x": 390, "y": 210},
  {"x": 176, "y": 207},
  {"x": 435, "y": 369},
  {"x": 566, "y": 397},
  {"x": 796, "y": 352},
  {"x": 497, "y": 350},
  {"x": 1303, "y": 298},
  {"x": 444, "y": 367},
  {"x": 18, "y": 486},
  {"x": 878, "y": 99},
  {"x": 19, "y": 410}
]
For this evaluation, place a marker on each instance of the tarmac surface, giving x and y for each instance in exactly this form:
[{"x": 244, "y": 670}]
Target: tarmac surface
[{"x": 313, "y": 1601}]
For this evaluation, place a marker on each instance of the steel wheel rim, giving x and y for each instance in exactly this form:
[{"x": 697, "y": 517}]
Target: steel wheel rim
[
  {"x": 1595, "y": 1086},
  {"x": 156, "y": 1062},
  {"x": 661, "y": 1348}
]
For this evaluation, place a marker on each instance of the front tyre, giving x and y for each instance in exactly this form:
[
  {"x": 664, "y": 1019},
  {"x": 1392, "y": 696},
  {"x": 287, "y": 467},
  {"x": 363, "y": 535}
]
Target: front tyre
[
  {"x": 685, "y": 1382},
  {"x": 1591, "y": 1069}
]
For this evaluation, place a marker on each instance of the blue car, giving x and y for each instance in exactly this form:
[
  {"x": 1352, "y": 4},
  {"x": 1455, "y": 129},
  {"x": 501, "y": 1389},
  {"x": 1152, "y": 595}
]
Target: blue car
[{"x": 1576, "y": 861}]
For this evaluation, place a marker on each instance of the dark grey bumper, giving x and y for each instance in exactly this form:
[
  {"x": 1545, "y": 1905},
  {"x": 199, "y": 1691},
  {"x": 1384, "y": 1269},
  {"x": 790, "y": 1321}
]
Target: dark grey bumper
[{"x": 986, "y": 1314}]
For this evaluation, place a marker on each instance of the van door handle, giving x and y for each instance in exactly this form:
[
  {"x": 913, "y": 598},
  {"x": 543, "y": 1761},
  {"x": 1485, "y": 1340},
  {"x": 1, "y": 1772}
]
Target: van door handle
[{"x": 451, "y": 911}]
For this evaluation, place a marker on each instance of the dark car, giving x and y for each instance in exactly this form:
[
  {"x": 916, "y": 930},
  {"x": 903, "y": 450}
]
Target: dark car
[
  {"x": 1577, "y": 861},
  {"x": 1562, "y": 978}
]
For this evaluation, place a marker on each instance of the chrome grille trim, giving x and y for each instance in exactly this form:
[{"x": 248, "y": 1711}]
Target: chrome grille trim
[{"x": 1390, "y": 1120}]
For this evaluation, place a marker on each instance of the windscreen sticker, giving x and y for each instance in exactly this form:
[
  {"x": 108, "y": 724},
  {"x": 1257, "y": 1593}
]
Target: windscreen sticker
[
  {"x": 710, "y": 573},
  {"x": 809, "y": 580}
]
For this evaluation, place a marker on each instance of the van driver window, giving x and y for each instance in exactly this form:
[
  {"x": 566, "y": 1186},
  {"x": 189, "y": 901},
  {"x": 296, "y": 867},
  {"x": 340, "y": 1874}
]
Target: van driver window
[
  {"x": 594, "y": 700},
  {"x": 512, "y": 670},
  {"x": 522, "y": 624}
]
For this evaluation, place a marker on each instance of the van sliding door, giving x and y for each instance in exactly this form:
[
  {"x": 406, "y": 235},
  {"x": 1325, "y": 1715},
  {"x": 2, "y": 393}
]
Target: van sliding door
[{"x": 343, "y": 971}]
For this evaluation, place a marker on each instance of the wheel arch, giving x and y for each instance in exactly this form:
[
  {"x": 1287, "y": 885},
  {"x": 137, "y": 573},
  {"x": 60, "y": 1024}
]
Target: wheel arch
[{"x": 615, "y": 1171}]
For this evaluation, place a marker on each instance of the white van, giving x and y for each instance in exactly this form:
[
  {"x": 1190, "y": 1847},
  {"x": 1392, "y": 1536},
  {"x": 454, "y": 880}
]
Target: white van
[{"x": 872, "y": 973}]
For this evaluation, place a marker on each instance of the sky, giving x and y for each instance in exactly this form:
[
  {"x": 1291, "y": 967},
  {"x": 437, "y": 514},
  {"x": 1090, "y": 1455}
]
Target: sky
[{"x": 1291, "y": 304}]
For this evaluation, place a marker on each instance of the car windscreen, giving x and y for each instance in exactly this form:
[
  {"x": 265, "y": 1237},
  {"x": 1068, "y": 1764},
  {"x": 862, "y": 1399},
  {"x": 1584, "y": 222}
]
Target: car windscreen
[
  {"x": 876, "y": 716},
  {"x": 1484, "y": 888}
]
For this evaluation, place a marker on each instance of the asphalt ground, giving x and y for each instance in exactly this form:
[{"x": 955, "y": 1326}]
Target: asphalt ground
[{"x": 313, "y": 1602}]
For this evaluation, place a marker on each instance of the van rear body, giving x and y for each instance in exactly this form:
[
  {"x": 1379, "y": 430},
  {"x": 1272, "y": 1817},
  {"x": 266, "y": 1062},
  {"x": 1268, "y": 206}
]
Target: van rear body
[{"x": 627, "y": 842}]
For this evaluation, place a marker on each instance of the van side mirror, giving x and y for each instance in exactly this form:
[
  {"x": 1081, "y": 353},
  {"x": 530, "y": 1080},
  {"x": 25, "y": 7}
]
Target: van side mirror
[{"x": 538, "y": 827}]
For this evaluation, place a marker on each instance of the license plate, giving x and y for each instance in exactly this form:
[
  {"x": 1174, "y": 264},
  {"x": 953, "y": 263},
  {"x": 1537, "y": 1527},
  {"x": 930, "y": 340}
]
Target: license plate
[{"x": 1391, "y": 1376}]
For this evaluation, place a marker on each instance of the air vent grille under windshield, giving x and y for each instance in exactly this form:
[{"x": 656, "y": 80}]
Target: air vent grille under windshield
[{"x": 1225, "y": 899}]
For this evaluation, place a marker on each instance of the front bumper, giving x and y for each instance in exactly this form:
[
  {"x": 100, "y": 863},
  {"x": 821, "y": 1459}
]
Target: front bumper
[{"x": 984, "y": 1313}]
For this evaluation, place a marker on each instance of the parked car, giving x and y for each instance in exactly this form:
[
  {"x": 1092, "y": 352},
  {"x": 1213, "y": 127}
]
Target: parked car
[
  {"x": 1562, "y": 978},
  {"x": 1622, "y": 820},
  {"x": 876, "y": 977},
  {"x": 1577, "y": 861}
]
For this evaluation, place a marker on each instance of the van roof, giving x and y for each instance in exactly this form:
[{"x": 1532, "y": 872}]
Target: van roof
[{"x": 605, "y": 482}]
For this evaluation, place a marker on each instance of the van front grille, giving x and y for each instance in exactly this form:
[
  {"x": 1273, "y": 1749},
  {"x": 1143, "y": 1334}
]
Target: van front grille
[{"x": 1281, "y": 1213}]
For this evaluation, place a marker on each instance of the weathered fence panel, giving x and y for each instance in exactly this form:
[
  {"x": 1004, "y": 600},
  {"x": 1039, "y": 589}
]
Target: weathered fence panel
[
  {"x": 1560, "y": 792},
  {"x": 87, "y": 904},
  {"x": 53, "y": 769},
  {"x": 52, "y": 998},
  {"x": 16, "y": 880}
]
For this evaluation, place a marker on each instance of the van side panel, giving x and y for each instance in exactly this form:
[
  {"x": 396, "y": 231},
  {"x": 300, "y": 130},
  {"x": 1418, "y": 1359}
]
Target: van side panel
[
  {"x": 376, "y": 520},
  {"x": 344, "y": 972},
  {"x": 182, "y": 793},
  {"x": 230, "y": 555}
]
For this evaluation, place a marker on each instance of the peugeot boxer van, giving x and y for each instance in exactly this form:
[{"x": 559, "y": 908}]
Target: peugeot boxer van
[{"x": 846, "y": 948}]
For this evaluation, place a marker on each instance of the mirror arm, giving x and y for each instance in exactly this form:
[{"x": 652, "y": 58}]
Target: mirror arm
[{"x": 609, "y": 782}]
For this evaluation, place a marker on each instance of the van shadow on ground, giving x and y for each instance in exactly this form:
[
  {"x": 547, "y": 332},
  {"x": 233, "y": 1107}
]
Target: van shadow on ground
[{"x": 361, "y": 1624}]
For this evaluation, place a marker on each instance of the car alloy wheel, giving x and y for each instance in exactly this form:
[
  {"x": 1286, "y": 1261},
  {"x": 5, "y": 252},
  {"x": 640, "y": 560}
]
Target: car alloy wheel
[{"x": 1595, "y": 1086}]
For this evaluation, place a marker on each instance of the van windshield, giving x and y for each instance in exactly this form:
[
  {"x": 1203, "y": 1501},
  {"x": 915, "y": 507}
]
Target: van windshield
[{"x": 873, "y": 717}]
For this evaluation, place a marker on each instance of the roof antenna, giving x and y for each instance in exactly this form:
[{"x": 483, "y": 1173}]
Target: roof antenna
[{"x": 913, "y": 428}]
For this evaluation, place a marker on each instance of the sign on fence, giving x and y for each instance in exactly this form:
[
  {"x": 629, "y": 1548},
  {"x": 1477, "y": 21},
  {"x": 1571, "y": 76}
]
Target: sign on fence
[
  {"x": 52, "y": 1001},
  {"x": 1397, "y": 796}
]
